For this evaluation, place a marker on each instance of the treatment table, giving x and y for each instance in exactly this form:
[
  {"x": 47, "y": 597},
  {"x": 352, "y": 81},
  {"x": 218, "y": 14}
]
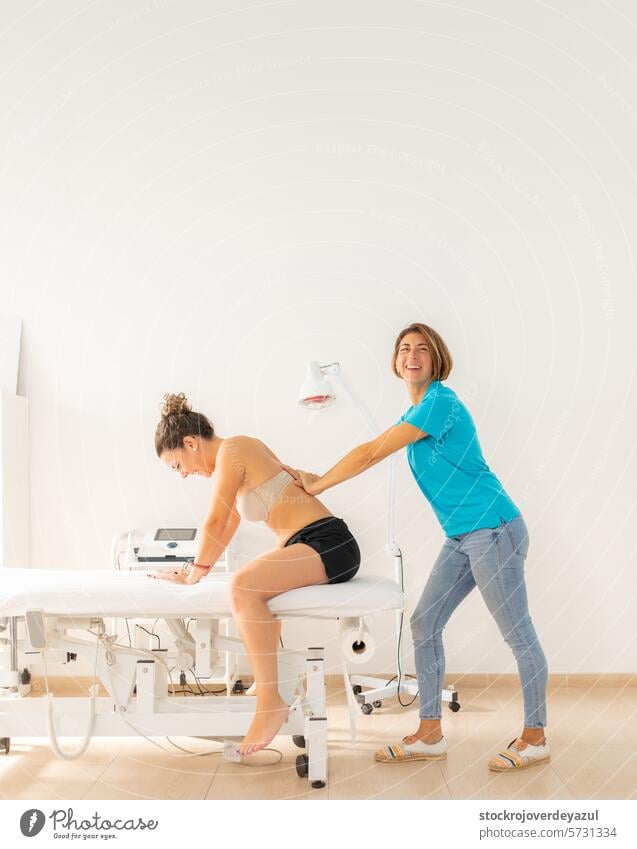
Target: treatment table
[{"x": 54, "y": 603}]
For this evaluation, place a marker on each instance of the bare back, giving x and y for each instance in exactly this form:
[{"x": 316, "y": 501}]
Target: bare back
[{"x": 295, "y": 508}]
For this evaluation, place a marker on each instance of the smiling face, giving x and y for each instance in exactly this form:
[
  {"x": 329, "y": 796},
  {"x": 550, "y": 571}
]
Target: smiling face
[
  {"x": 190, "y": 459},
  {"x": 413, "y": 360}
]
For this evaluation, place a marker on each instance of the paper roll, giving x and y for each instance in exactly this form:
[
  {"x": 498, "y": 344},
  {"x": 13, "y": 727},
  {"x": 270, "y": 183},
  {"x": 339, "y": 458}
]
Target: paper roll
[{"x": 357, "y": 646}]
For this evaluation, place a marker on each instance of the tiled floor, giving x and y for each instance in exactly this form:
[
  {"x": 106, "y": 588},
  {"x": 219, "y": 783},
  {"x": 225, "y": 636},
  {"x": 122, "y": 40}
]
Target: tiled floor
[{"x": 592, "y": 733}]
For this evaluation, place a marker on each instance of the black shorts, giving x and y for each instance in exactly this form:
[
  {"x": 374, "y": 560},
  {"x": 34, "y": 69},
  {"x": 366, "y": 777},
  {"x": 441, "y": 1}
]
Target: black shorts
[{"x": 333, "y": 541}]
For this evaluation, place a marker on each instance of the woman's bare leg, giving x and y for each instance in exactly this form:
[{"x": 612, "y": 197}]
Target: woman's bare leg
[
  {"x": 252, "y": 689},
  {"x": 250, "y": 589}
]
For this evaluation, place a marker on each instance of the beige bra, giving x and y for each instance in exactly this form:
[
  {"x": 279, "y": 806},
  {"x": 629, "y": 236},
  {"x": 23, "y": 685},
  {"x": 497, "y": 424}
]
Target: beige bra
[{"x": 255, "y": 504}]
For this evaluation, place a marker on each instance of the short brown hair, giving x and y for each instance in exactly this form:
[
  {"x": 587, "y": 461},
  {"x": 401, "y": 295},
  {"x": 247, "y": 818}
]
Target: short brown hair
[
  {"x": 441, "y": 360},
  {"x": 177, "y": 421}
]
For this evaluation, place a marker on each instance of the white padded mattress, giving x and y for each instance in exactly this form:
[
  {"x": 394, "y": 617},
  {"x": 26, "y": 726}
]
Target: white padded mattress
[{"x": 132, "y": 593}]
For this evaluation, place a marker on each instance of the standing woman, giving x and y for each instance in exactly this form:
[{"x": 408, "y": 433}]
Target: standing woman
[{"x": 486, "y": 544}]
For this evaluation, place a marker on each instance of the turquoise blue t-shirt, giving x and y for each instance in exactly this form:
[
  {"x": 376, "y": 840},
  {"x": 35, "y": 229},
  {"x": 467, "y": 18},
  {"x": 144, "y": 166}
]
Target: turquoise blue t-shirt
[{"x": 449, "y": 467}]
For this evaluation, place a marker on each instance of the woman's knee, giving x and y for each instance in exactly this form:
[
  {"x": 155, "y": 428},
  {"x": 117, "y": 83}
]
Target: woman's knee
[
  {"x": 422, "y": 626},
  {"x": 523, "y": 639},
  {"x": 242, "y": 589}
]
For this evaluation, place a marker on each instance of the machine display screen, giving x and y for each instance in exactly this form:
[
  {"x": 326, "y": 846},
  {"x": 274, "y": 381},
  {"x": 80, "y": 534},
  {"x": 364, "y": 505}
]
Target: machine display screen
[{"x": 178, "y": 534}]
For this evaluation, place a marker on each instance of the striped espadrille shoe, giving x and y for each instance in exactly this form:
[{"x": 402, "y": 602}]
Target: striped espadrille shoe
[
  {"x": 417, "y": 751},
  {"x": 519, "y": 755}
]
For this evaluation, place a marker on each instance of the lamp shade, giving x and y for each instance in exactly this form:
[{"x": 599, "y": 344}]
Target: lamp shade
[{"x": 316, "y": 391}]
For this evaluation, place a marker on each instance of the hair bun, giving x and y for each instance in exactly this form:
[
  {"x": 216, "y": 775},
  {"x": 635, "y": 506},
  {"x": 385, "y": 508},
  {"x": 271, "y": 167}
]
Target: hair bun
[{"x": 175, "y": 405}]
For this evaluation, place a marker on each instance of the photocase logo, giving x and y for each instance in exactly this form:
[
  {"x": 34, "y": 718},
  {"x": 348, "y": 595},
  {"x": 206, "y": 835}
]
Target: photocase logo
[
  {"x": 63, "y": 820},
  {"x": 32, "y": 822}
]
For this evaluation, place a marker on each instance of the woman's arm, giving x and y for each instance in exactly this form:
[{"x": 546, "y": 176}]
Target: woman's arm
[
  {"x": 229, "y": 531},
  {"x": 222, "y": 519},
  {"x": 234, "y": 520},
  {"x": 362, "y": 457}
]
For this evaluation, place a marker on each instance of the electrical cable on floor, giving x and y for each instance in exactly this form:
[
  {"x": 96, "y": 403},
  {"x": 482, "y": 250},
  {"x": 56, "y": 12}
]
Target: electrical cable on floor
[
  {"x": 220, "y": 752},
  {"x": 188, "y": 692},
  {"x": 393, "y": 678}
]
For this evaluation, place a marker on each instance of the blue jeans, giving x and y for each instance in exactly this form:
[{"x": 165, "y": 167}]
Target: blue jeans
[{"x": 492, "y": 559}]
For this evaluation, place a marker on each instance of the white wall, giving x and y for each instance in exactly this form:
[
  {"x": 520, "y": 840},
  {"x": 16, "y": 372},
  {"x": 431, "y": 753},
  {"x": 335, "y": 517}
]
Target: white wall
[{"x": 200, "y": 198}]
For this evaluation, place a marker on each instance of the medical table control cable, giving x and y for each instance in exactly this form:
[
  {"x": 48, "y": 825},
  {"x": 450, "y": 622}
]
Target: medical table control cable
[
  {"x": 61, "y": 753},
  {"x": 108, "y": 643}
]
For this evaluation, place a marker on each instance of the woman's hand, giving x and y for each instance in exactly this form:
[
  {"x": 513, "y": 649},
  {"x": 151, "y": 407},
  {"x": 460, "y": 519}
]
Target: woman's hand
[
  {"x": 292, "y": 471},
  {"x": 310, "y": 482},
  {"x": 304, "y": 480},
  {"x": 191, "y": 575},
  {"x": 177, "y": 576}
]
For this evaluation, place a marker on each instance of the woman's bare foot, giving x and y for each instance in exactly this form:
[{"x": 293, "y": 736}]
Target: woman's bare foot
[{"x": 266, "y": 724}]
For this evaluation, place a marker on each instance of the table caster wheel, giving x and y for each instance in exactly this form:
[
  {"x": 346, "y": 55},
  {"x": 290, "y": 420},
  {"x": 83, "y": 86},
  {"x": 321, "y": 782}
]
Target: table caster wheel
[
  {"x": 357, "y": 689},
  {"x": 298, "y": 740},
  {"x": 302, "y": 766},
  {"x": 367, "y": 708},
  {"x": 377, "y": 703},
  {"x": 316, "y": 785},
  {"x": 454, "y": 706},
  {"x": 5, "y": 744}
]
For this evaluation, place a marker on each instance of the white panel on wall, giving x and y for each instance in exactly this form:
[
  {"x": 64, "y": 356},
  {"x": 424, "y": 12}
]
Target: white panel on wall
[
  {"x": 14, "y": 481},
  {"x": 10, "y": 336}
]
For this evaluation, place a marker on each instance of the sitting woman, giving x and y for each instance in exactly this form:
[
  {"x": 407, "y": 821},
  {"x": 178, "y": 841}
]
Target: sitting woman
[{"x": 312, "y": 545}]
